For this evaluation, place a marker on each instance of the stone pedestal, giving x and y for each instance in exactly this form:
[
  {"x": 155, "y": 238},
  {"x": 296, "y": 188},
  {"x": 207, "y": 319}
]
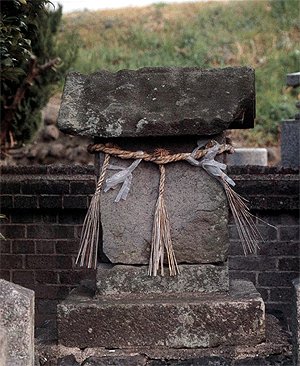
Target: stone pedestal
[
  {"x": 168, "y": 108},
  {"x": 185, "y": 320}
]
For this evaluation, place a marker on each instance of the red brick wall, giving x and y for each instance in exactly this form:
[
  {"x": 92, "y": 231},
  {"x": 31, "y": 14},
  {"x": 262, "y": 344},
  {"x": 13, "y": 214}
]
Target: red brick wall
[{"x": 45, "y": 208}]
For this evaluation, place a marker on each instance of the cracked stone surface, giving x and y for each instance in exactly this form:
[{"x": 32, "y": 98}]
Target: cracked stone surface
[
  {"x": 158, "y": 102},
  {"x": 179, "y": 321}
]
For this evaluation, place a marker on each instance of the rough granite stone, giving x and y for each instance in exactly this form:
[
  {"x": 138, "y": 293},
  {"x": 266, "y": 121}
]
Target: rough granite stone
[
  {"x": 17, "y": 319},
  {"x": 179, "y": 321},
  {"x": 196, "y": 204},
  {"x": 121, "y": 280},
  {"x": 3, "y": 347},
  {"x": 158, "y": 102}
]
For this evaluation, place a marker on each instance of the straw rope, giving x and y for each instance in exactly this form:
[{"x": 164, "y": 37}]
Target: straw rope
[
  {"x": 87, "y": 254},
  {"x": 103, "y": 173},
  {"x": 154, "y": 157},
  {"x": 161, "y": 234}
]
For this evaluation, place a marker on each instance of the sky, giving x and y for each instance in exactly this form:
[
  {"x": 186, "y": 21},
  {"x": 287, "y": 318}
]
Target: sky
[{"x": 72, "y": 5}]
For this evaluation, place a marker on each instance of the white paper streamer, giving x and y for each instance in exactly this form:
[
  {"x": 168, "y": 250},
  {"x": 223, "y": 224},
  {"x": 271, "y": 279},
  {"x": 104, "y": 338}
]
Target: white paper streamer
[
  {"x": 209, "y": 163},
  {"x": 123, "y": 176}
]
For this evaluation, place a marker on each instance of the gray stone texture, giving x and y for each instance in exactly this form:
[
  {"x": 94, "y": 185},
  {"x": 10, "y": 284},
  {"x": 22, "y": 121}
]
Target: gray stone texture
[
  {"x": 296, "y": 321},
  {"x": 290, "y": 143},
  {"x": 197, "y": 210},
  {"x": 275, "y": 350},
  {"x": 126, "y": 280},
  {"x": 158, "y": 102},
  {"x": 17, "y": 320},
  {"x": 3, "y": 347},
  {"x": 248, "y": 156},
  {"x": 179, "y": 321},
  {"x": 196, "y": 204}
]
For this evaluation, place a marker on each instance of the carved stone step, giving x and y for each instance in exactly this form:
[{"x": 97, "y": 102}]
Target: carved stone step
[{"x": 180, "y": 320}]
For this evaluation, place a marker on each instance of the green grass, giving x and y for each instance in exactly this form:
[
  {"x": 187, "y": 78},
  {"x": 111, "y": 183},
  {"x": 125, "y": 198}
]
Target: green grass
[{"x": 263, "y": 34}]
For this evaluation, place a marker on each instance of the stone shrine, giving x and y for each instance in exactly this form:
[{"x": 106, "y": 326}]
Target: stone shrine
[{"x": 143, "y": 110}]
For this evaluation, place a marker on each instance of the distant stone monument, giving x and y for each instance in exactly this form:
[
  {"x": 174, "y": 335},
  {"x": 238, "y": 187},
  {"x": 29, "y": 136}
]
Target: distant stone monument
[
  {"x": 290, "y": 131},
  {"x": 154, "y": 116}
]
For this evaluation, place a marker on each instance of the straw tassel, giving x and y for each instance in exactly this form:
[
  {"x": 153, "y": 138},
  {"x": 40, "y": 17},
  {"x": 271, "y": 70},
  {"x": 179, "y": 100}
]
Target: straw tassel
[
  {"x": 87, "y": 255},
  {"x": 244, "y": 220},
  {"x": 161, "y": 235}
]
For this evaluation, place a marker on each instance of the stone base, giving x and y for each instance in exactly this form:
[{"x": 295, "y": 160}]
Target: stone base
[
  {"x": 276, "y": 350},
  {"x": 125, "y": 280},
  {"x": 188, "y": 320}
]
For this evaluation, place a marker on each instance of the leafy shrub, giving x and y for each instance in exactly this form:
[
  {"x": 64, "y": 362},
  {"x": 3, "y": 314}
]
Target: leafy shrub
[{"x": 33, "y": 62}]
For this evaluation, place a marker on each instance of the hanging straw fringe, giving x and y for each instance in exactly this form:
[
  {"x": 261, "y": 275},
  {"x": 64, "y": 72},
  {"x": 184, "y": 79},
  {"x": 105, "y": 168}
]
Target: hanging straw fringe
[
  {"x": 248, "y": 233},
  {"x": 161, "y": 235},
  {"x": 87, "y": 255}
]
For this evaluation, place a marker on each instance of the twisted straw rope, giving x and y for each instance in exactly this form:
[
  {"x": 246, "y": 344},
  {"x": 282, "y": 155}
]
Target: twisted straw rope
[
  {"x": 154, "y": 158},
  {"x": 103, "y": 173},
  {"x": 162, "y": 180}
]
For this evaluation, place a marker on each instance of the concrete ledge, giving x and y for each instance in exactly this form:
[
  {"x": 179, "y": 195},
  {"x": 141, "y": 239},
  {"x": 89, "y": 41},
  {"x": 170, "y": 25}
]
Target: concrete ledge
[{"x": 183, "y": 320}]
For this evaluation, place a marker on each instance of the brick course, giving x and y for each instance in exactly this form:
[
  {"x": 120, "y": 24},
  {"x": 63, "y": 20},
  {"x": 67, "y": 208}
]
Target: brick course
[{"x": 45, "y": 209}]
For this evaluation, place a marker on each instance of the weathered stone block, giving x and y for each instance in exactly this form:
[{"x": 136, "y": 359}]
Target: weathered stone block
[
  {"x": 126, "y": 280},
  {"x": 158, "y": 102},
  {"x": 248, "y": 156},
  {"x": 290, "y": 143},
  {"x": 196, "y": 204},
  {"x": 275, "y": 350},
  {"x": 179, "y": 321},
  {"x": 17, "y": 319},
  {"x": 3, "y": 347}
]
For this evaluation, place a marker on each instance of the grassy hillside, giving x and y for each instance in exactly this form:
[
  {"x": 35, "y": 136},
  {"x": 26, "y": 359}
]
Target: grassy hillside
[{"x": 262, "y": 33}]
